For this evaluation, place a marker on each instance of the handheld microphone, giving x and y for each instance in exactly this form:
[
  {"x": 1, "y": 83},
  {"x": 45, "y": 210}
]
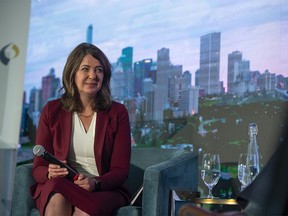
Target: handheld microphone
[{"x": 40, "y": 151}]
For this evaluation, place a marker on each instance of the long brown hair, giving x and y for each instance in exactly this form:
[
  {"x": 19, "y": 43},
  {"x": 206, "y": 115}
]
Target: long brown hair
[{"x": 71, "y": 98}]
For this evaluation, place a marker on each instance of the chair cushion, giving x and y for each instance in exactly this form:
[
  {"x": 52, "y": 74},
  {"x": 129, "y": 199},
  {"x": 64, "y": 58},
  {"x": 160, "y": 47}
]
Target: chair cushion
[
  {"x": 129, "y": 211},
  {"x": 34, "y": 212}
]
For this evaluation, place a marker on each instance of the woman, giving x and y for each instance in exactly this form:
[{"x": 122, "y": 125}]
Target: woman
[{"x": 89, "y": 132}]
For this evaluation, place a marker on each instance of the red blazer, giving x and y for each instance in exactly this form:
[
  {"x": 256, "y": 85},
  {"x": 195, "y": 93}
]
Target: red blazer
[{"x": 112, "y": 144}]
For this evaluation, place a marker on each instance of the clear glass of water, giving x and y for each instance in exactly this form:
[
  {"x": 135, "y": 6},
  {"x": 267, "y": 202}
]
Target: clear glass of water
[{"x": 210, "y": 171}]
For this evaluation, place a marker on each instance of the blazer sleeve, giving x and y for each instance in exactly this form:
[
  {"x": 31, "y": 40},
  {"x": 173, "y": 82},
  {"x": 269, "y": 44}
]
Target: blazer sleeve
[
  {"x": 48, "y": 122},
  {"x": 40, "y": 166}
]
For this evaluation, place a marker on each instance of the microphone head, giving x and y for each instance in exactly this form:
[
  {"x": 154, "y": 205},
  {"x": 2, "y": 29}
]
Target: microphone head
[{"x": 38, "y": 150}]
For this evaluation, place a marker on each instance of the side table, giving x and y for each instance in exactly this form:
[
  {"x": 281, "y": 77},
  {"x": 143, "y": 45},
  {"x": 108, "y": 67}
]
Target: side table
[
  {"x": 215, "y": 204},
  {"x": 215, "y": 201}
]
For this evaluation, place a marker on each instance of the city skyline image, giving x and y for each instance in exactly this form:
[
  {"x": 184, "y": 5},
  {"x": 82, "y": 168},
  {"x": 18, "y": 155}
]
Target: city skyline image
[
  {"x": 256, "y": 29},
  {"x": 189, "y": 72}
]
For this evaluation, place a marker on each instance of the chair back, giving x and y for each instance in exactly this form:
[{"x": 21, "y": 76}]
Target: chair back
[{"x": 141, "y": 158}]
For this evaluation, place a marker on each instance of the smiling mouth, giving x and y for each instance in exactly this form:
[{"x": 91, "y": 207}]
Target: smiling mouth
[{"x": 91, "y": 83}]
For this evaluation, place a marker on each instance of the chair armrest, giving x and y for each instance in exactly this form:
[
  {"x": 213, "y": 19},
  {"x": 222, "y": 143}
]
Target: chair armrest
[
  {"x": 22, "y": 202},
  {"x": 177, "y": 173}
]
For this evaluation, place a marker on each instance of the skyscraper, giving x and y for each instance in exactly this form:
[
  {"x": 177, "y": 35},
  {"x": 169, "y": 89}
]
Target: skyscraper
[
  {"x": 189, "y": 101},
  {"x": 142, "y": 70},
  {"x": 176, "y": 86},
  {"x": 243, "y": 78},
  {"x": 162, "y": 82},
  {"x": 267, "y": 82},
  {"x": 122, "y": 80},
  {"x": 148, "y": 92},
  {"x": 50, "y": 86},
  {"x": 119, "y": 84},
  {"x": 89, "y": 34},
  {"x": 210, "y": 63},
  {"x": 188, "y": 78},
  {"x": 163, "y": 70},
  {"x": 35, "y": 105},
  {"x": 35, "y": 100},
  {"x": 233, "y": 58},
  {"x": 126, "y": 59}
]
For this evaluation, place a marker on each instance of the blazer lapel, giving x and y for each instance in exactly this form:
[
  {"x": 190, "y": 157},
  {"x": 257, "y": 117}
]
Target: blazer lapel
[
  {"x": 66, "y": 128},
  {"x": 101, "y": 126}
]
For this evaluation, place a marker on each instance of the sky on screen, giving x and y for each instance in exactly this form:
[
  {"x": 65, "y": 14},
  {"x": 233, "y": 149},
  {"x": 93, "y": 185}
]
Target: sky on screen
[{"x": 256, "y": 28}]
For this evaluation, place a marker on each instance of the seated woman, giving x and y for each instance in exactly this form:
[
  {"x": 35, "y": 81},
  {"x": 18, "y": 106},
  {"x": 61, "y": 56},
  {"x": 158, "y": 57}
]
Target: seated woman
[{"x": 91, "y": 133}]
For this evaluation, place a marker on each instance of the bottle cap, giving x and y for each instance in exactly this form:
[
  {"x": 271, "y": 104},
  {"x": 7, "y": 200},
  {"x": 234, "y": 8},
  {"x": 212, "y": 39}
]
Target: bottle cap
[{"x": 253, "y": 129}]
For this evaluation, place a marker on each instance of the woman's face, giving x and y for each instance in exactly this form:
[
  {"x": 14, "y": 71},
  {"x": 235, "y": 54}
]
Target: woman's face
[{"x": 89, "y": 76}]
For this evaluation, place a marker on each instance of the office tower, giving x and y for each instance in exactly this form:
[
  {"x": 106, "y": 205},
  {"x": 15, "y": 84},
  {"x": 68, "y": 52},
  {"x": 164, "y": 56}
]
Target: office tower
[
  {"x": 149, "y": 67},
  {"x": 233, "y": 57},
  {"x": 176, "y": 86},
  {"x": 142, "y": 70},
  {"x": 126, "y": 59},
  {"x": 189, "y": 101},
  {"x": 118, "y": 83},
  {"x": 175, "y": 72},
  {"x": 35, "y": 100},
  {"x": 124, "y": 66},
  {"x": 267, "y": 82},
  {"x": 148, "y": 92},
  {"x": 187, "y": 79},
  {"x": 121, "y": 83},
  {"x": 35, "y": 103},
  {"x": 89, "y": 35},
  {"x": 243, "y": 78},
  {"x": 210, "y": 63},
  {"x": 163, "y": 69},
  {"x": 254, "y": 77},
  {"x": 242, "y": 69},
  {"x": 161, "y": 87},
  {"x": 139, "y": 75},
  {"x": 50, "y": 86},
  {"x": 117, "y": 86}
]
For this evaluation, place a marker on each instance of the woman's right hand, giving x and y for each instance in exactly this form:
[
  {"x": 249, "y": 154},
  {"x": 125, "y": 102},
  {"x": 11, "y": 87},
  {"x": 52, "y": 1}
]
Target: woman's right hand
[{"x": 55, "y": 171}]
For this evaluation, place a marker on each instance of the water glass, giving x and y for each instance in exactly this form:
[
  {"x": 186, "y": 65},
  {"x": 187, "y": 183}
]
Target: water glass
[{"x": 210, "y": 171}]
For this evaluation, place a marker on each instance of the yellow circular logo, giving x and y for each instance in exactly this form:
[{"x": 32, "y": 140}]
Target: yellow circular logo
[{"x": 8, "y": 52}]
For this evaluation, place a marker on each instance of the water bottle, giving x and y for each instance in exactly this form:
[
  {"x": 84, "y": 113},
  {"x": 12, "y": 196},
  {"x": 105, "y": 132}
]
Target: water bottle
[{"x": 253, "y": 154}]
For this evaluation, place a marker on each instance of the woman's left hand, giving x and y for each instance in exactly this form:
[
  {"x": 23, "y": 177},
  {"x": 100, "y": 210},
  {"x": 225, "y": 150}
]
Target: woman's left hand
[{"x": 85, "y": 182}]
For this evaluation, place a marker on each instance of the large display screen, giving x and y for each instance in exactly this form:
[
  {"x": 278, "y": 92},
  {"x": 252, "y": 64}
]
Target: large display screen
[{"x": 189, "y": 72}]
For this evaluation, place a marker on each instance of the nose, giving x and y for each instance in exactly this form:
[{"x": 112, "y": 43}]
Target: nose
[{"x": 92, "y": 74}]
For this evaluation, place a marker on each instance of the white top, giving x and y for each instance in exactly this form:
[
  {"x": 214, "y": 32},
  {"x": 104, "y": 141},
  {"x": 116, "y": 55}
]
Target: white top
[{"x": 81, "y": 152}]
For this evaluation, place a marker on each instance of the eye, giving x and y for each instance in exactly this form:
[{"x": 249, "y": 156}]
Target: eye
[
  {"x": 98, "y": 70},
  {"x": 85, "y": 69}
]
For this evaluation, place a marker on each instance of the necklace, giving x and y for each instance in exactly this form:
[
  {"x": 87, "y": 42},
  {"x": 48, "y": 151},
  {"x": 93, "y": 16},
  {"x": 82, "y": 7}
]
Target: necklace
[{"x": 86, "y": 116}]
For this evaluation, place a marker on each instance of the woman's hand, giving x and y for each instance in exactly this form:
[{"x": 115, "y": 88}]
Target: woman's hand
[
  {"x": 85, "y": 182},
  {"x": 55, "y": 171}
]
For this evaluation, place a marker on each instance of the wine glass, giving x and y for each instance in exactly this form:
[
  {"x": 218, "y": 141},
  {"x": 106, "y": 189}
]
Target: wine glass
[
  {"x": 210, "y": 171},
  {"x": 244, "y": 175}
]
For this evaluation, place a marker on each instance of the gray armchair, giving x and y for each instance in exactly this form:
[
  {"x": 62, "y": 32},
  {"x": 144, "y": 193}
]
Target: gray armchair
[{"x": 159, "y": 170}]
